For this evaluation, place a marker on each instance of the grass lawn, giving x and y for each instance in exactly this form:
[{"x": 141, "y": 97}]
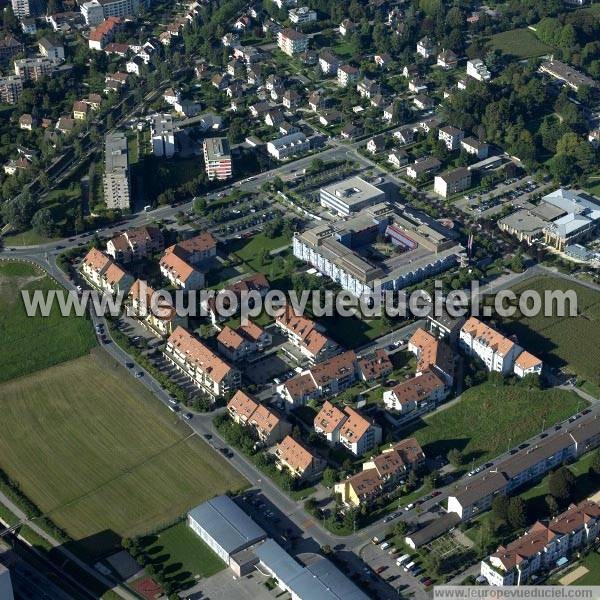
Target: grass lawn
[
  {"x": 593, "y": 184},
  {"x": 34, "y": 343},
  {"x": 100, "y": 455},
  {"x": 522, "y": 43},
  {"x": 182, "y": 554},
  {"x": 487, "y": 420},
  {"x": 592, "y": 563},
  {"x": 353, "y": 332},
  {"x": 562, "y": 341},
  {"x": 249, "y": 249}
]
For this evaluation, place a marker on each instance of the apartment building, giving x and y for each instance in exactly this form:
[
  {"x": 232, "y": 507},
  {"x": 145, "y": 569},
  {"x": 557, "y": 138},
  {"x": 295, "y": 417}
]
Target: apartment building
[
  {"x": 306, "y": 335},
  {"x": 292, "y": 42},
  {"x": 475, "y": 147},
  {"x": 217, "y": 158},
  {"x": 175, "y": 268},
  {"x": 452, "y": 182},
  {"x": 11, "y": 87},
  {"x": 243, "y": 342},
  {"x": 267, "y": 426},
  {"x": 376, "y": 366},
  {"x": 381, "y": 474},
  {"x": 27, "y": 8},
  {"x": 208, "y": 371},
  {"x": 417, "y": 395},
  {"x": 51, "y": 48},
  {"x": 567, "y": 74},
  {"x": 116, "y": 186},
  {"x": 347, "y": 75},
  {"x": 92, "y": 12},
  {"x": 302, "y": 15},
  {"x": 197, "y": 249},
  {"x": 104, "y": 274},
  {"x": 164, "y": 133},
  {"x": 323, "y": 380},
  {"x": 154, "y": 313},
  {"x": 329, "y": 62},
  {"x": 329, "y": 421},
  {"x": 300, "y": 462},
  {"x": 358, "y": 433},
  {"x": 137, "y": 243},
  {"x": 34, "y": 69},
  {"x": 104, "y": 33},
  {"x": 432, "y": 354},
  {"x": 423, "y": 167},
  {"x": 447, "y": 59},
  {"x": 477, "y": 70},
  {"x": 451, "y": 136},
  {"x": 541, "y": 547},
  {"x": 9, "y": 46},
  {"x": 288, "y": 145},
  {"x": 119, "y": 8},
  {"x": 426, "y": 47}
]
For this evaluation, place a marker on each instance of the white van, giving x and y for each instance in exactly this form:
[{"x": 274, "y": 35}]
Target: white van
[
  {"x": 409, "y": 566},
  {"x": 402, "y": 559}
]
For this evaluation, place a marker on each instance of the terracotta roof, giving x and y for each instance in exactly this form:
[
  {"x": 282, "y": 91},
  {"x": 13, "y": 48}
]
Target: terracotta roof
[
  {"x": 526, "y": 360},
  {"x": 485, "y": 334},
  {"x": 264, "y": 419},
  {"x": 80, "y": 106},
  {"x": 417, "y": 388},
  {"x": 230, "y": 338},
  {"x": 176, "y": 266},
  {"x": 137, "y": 235},
  {"x": 96, "y": 259},
  {"x": 355, "y": 426},
  {"x": 251, "y": 330},
  {"x": 329, "y": 418},
  {"x": 294, "y": 454},
  {"x": 300, "y": 386},
  {"x": 337, "y": 367},
  {"x": 410, "y": 450},
  {"x": 199, "y": 354},
  {"x": 432, "y": 352},
  {"x": 105, "y": 27},
  {"x": 165, "y": 311},
  {"x": 199, "y": 243},
  {"x": 242, "y": 405},
  {"x": 303, "y": 327},
  {"x": 114, "y": 274},
  {"x": 375, "y": 366},
  {"x": 366, "y": 483}
]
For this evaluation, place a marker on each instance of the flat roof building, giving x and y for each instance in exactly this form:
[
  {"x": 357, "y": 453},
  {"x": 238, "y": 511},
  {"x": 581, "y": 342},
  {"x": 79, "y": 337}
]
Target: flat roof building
[
  {"x": 350, "y": 195},
  {"x": 116, "y": 171},
  {"x": 217, "y": 158}
]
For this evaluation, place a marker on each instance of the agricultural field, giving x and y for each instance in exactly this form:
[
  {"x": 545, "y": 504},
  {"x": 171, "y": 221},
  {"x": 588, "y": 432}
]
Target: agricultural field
[
  {"x": 569, "y": 342},
  {"x": 508, "y": 414},
  {"x": 100, "y": 455},
  {"x": 521, "y": 43},
  {"x": 35, "y": 343}
]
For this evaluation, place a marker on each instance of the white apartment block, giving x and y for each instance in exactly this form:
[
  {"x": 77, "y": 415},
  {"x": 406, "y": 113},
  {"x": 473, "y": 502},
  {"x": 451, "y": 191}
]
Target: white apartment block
[
  {"x": 452, "y": 182},
  {"x": 163, "y": 132},
  {"x": 292, "y": 42},
  {"x": 477, "y": 70},
  {"x": 217, "y": 158},
  {"x": 302, "y": 15},
  {"x": 288, "y": 145},
  {"x": 119, "y": 8},
  {"x": 92, "y": 12},
  {"x": 116, "y": 172},
  {"x": 451, "y": 136}
]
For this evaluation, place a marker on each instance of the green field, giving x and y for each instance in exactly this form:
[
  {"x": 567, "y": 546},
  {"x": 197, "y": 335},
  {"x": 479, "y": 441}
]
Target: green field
[
  {"x": 100, "y": 455},
  {"x": 489, "y": 420},
  {"x": 570, "y": 342},
  {"x": 34, "y": 343},
  {"x": 592, "y": 563},
  {"x": 181, "y": 553},
  {"x": 249, "y": 249},
  {"x": 521, "y": 43}
]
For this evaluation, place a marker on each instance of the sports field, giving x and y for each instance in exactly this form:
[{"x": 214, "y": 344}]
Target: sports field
[
  {"x": 34, "y": 343},
  {"x": 100, "y": 455},
  {"x": 570, "y": 342},
  {"x": 488, "y": 420}
]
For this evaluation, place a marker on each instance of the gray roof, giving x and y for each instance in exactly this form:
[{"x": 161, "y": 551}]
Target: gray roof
[
  {"x": 433, "y": 529},
  {"x": 524, "y": 221},
  {"x": 354, "y": 190},
  {"x": 278, "y": 561},
  {"x": 227, "y": 524},
  {"x": 481, "y": 487},
  {"x": 115, "y": 155}
]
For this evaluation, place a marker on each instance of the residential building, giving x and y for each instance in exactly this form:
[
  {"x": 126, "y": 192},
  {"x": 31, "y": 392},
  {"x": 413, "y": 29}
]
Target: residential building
[
  {"x": 301, "y": 15},
  {"x": 217, "y": 158},
  {"x": 329, "y": 421},
  {"x": 205, "y": 369},
  {"x": 381, "y": 474},
  {"x": 92, "y": 12},
  {"x": 346, "y": 27},
  {"x": 566, "y": 73},
  {"x": 451, "y": 136},
  {"x": 116, "y": 171},
  {"x": 9, "y": 47},
  {"x": 51, "y": 48},
  {"x": 299, "y": 462},
  {"x": 527, "y": 364},
  {"x": 398, "y": 158},
  {"x": 26, "y": 121},
  {"x": 475, "y": 147},
  {"x": 175, "y": 268},
  {"x": 417, "y": 86},
  {"x": 447, "y": 59},
  {"x": 328, "y": 62},
  {"x": 197, "y": 249},
  {"x": 163, "y": 134},
  {"x": 288, "y": 145},
  {"x": 80, "y": 110},
  {"x": 350, "y": 195},
  {"x": 28, "y": 26},
  {"x": 27, "y": 8},
  {"x": 119, "y": 8},
  {"x": 347, "y": 75},
  {"x": 423, "y": 167},
  {"x": 417, "y": 395},
  {"x": 376, "y": 144},
  {"x": 135, "y": 244},
  {"x": 477, "y": 70},
  {"x": 244, "y": 342},
  {"x": 423, "y": 102},
  {"x": 452, "y": 182},
  {"x": 358, "y": 433},
  {"x": 104, "y": 274},
  {"x": 153, "y": 312},
  {"x": 477, "y": 495},
  {"x": 546, "y": 543},
  {"x": 267, "y": 426},
  {"x": 376, "y": 366},
  {"x": 404, "y": 135},
  {"x": 306, "y": 335},
  {"x": 426, "y": 47},
  {"x": 34, "y": 69},
  {"x": 367, "y": 88},
  {"x": 292, "y": 42},
  {"x": 445, "y": 326},
  {"x": 104, "y": 33}
]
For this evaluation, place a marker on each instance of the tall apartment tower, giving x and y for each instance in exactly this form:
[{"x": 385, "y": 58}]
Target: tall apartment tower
[
  {"x": 217, "y": 158},
  {"x": 117, "y": 193}
]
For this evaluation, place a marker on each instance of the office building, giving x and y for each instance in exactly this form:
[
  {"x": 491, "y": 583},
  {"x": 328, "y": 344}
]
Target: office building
[{"x": 350, "y": 195}]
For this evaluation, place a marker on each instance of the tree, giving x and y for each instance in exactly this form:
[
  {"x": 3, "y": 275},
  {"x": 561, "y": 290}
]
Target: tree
[
  {"x": 455, "y": 457},
  {"x": 517, "y": 513},
  {"x": 561, "y": 484},
  {"x": 43, "y": 223},
  {"x": 400, "y": 528},
  {"x": 329, "y": 477},
  {"x": 595, "y": 466},
  {"x": 516, "y": 263},
  {"x": 500, "y": 507},
  {"x": 552, "y": 505}
]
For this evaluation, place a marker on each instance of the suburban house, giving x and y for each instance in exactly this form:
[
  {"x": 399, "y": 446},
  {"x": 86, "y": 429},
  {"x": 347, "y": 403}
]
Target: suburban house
[
  {"x": 477, "y": 70},
  {"x": 426, "y": 47},
  {"x": 359, "y": 434},
  {"x": 376, "y": 144},
  {"x": 197, "y": 249},
  {"x": 423, "y": 102},
  {"x": 546, "y": 543},
  {"x": 404, "y": 135},
  {"x": 347, "y": 75},
  {"x": 135, "y": 244},
  {"x": 175, "y": 268},
  {"x": 161, "y": 319},
  {"x": 329, "y": 421},
  {"x": 527, "y": 364},
  {"x": 104, "y": 274},
  {"x": 208, "y": 371},
  {"x": 381, "y": 474},
  {"x": 447, "y": 59},
  {"x": 266, "y": 425},
  {"x": 329, "y": 62},
  {"x": 398, "y": 158},
  {"x": 300, "y": 462},
  {"x": 306, "y": 335}
]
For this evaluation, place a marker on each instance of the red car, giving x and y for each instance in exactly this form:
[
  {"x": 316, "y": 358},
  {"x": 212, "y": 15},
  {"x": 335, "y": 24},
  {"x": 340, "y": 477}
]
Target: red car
[{"x": 435, "y": 493}]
